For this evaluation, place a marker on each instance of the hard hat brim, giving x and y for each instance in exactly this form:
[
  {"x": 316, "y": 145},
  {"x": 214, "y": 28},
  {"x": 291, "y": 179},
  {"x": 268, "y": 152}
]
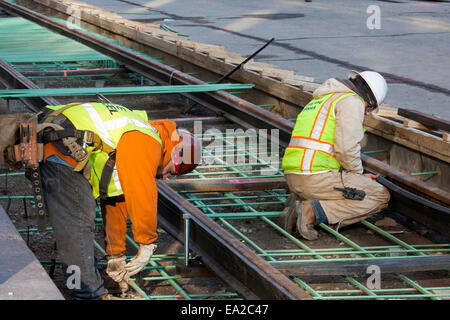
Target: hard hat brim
[{"x": 352, "y": 74}]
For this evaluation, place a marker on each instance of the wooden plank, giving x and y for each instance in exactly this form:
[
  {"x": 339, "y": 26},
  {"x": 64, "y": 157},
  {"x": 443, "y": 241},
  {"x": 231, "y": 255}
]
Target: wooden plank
[
  {"x": 385, "y": 110},
  {"x": 428, "y": 120},
  {"x": 414, "y": 124},
  {"x": 279, "y": 74},
  {"x": 200, "y": 47},
  {"x": 143, "y": 26},
  {"x": 446, "y": 137},
  {"x": 170, "y": 37},
  {"x": 159, "y": 33},
  {"x": 221, "y": 54},
  {"x": 227, "y": 57},
  {"x": 298, "y": 77},
  {"x": 412, "y": 138},
  {"x": 257, "y": 66},
  {"x": 304, "y": 85}
]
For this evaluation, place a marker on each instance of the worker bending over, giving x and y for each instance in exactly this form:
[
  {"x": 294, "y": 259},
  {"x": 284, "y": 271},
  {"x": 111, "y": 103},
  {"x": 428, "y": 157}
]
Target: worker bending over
[
  {"x": 322, "y": 163},
  {"x": 117, "y": 155}
]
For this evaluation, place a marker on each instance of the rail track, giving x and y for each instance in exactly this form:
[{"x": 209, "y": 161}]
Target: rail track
[{"x": 231, "y": 207}]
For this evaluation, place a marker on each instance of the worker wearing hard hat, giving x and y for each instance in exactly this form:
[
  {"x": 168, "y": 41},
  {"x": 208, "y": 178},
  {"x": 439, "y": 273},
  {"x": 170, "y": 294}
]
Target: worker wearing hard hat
[
  {"x": 117, "y": 155},
  {"x": 322, "y": 163}
]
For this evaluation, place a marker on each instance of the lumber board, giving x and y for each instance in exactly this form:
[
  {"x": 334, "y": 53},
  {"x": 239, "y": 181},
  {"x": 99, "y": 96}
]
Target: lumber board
[
  {"x": 428, "y": 120},
  {"x": 257, "y": 66},
  {"x": 414, "y": 124},
  {"x": 385, "y": 110},
  {"x": 200, "y": 47},
  {"x": 276, "y": 73},
  {"x": 446, "y": 137},
  {"x": 302, "y": 84},
  {"x": 297, "y": 77},
  {"x": 227, "y": 57}
]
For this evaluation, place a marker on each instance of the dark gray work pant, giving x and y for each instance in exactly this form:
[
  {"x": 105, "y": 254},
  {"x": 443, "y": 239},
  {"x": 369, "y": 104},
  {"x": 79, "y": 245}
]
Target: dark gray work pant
[{"x": 71, "y": 209}]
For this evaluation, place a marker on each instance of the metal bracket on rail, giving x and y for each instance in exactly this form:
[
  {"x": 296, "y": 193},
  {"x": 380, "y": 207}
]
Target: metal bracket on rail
[{"x": 192, "y": 267}]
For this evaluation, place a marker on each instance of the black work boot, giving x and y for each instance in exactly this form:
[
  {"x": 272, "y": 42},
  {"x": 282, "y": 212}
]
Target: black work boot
[{"x": 306, "y": 220}]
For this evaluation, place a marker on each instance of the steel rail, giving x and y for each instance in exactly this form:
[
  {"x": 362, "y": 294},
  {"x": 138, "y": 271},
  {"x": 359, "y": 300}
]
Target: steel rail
[{"x": 11, "y": 78}]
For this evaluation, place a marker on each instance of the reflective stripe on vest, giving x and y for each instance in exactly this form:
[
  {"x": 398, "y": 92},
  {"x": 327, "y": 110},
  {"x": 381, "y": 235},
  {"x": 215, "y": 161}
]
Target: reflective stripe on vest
[
  {"x": 109, "y": 122},
  {"x": 317, "y": 143}
]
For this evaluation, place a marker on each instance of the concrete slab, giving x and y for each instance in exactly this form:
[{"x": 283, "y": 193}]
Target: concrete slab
[
  {"x": 22, "y": 277},
  {"x": 323, "y": 39}
]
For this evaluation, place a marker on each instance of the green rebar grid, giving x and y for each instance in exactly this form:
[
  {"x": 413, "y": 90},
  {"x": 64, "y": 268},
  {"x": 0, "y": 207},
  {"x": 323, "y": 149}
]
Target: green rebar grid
[
  {"x": 154, "y": 264},
  {"x": 219, "y": 158},
  {"x": 25, "y": 41},
  {"x": 245, "y": 205},
  {"x": 207, "y": 203},
  {"x": 181, "y": 293},
  {"x": 248, "y": 205},
  {"x": 65, "y": 92}
]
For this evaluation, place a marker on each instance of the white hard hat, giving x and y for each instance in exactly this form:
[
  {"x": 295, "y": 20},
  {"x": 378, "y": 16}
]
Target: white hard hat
[{"x": 374, "y": 81}]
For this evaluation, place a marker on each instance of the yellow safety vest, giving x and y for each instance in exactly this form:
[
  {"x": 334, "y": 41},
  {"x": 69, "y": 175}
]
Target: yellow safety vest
[
  {"x": 109, "y": 122},
  {"x": 311, "y": 148}
]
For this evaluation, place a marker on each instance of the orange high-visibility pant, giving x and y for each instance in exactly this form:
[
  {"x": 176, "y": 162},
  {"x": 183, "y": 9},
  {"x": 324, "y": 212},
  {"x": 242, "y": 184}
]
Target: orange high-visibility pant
[{"x": 138, "y": 157}]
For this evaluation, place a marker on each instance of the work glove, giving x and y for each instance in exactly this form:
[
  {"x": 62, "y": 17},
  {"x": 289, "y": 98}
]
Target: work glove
[
  {"x": 116, "y": 270},
  {"x": 116, "y": 267},
  {"x": 141, "y": 259}
]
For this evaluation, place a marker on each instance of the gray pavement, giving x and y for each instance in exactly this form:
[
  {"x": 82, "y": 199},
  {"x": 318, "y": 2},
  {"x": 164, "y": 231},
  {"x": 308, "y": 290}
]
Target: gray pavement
[
  {"x": 324, "y": 39},
  {"x": 22, "y": 277}
]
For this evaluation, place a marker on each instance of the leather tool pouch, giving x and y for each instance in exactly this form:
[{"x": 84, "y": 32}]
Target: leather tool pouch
[
  {"x": 28, "y": 151},
  {"x": 20, "y": 147},
  {"x": 10, "y": 135}
]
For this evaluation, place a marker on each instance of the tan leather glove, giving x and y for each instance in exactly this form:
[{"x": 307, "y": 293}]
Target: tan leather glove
[
  {"x": 116, "y": 268},
  {"x": 138, "y": 262}
]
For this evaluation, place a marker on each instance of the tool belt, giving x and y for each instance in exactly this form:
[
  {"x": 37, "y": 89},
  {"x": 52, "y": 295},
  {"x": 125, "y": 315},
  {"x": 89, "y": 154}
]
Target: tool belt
[
  {"x": 72, "y": 142},
  {"x": 24, "y": 148},
  {"x": 25, "y": 151}
]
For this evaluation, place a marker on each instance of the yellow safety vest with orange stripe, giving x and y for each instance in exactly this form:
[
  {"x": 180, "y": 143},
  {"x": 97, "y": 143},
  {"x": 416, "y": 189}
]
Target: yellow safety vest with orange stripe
[
  {"x": 109, "y": 122},
  {"x": 311, "y": 149}
]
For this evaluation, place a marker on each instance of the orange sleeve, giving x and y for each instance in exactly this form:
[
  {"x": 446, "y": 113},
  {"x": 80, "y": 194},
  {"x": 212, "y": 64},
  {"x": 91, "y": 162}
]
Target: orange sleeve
[
  {"x": 114, "y": 215},
  {"x": 137, "y": 160},
  {"x": 50, "y": 150}
]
